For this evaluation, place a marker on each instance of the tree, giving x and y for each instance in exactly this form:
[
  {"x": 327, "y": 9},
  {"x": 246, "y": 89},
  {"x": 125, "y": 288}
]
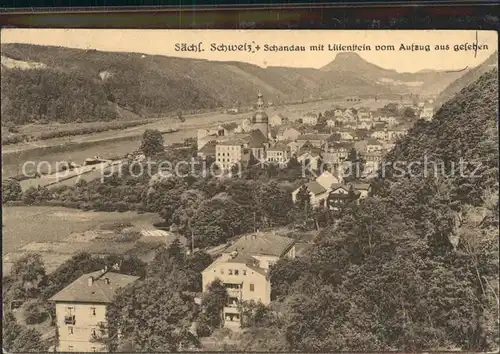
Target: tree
[
  {"x": 34, "y": 312},
  {"x": 34, "y": 195},
  {"x": 11, "y": 190},
  {"x": 29, "y": 271},
  {"x": 216, "y": 220},
  {"x": 11, "y": 331},
  {"x": 152, "y": 143},
  {"x": 29, "y": 340},
  {"x": 409, "y": 113},
  {"x": 213, "y": 301},
  {"x": 159, "y": 299}
]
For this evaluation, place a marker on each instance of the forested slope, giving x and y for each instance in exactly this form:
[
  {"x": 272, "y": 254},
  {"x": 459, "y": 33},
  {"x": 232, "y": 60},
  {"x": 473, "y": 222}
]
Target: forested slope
[
  {"x": 414, "y": 267},
  {"x": 65, "y": 84}
]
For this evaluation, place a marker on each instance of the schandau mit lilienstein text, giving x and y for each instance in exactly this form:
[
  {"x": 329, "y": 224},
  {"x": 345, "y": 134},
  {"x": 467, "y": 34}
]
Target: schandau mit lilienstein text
[{"x": 253, "y": 47}]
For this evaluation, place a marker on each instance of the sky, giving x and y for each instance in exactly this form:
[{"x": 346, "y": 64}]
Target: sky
[{"x": 162, "y": 42}]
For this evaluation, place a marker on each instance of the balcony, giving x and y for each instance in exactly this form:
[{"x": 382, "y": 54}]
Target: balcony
[
  {"x": 234, "y": 293},
  {"x": 69, "y": 319}
]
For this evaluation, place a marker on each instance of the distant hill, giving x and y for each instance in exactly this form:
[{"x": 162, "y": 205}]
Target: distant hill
[
  {"x": 467, "y": 78},
  {"x": 65, "y": 85},
  {"x": 427, "y": 82}
]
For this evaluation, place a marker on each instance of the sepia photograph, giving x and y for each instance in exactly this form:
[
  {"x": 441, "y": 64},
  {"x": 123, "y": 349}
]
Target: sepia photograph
[{"x": 249, "y": 190}]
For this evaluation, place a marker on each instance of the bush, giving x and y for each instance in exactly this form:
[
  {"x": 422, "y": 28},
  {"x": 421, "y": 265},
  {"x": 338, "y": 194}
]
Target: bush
[
  {"x": 35, "y": 313},
  {"x": 114, "y": 226},
  {"x": 128, "y": 236}
]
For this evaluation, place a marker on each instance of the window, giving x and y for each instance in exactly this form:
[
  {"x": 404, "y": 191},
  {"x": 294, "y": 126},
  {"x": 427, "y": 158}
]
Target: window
[
  {"x": 70, "y": 348},
  {"x": 70, "y": 310},
  {"x": 252, "y": 287},
  {"x": 93, "y": 331},
  {"x": 245, "y": 272},
  {"x": 236, "y": 272},
  {"x": 94, "y": 349},
  {"x": 92, "y": 311},
  {"x": 70, "y": 330},
  {"x": 230, "y": 272},
  {"x": 221, "y": 271}
]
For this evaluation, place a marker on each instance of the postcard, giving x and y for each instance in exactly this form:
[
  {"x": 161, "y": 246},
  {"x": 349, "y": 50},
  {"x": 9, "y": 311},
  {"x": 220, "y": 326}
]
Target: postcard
[{"x": 249, "y": 190}]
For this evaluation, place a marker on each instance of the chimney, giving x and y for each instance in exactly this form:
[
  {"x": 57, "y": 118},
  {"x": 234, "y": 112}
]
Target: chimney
[
  {"x": 90, "y": 281},
  {"x": 106, "y": 280}
]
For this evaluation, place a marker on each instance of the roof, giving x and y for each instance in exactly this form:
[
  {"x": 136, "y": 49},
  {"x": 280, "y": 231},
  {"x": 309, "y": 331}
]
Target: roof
[
  {"x": 230, "y": 126},
  {"x": 372, "y": 141},
  {"x": 362, "y": 133},
  {"x": 326, "y": 179},
  {"x": 262, "y": 244},
  {"x": 232, "y": 142},
  {"x": 98, "y": 292},
  {"x": 279, "y": 147},
  {"x": 279, "y": 115},
  {"x": 341, "y": 145},
  {"x": 260, "y": 116},
  {"x": 310, "y": 114},
  {"x": 337, "y": 186},
  {"x": 314, "y": 137},
  {"x": 361, "y": 185},
  {"x": 256, "y": 139},
  {"x": 209, "y": 148},
  {"x": 315, "y": 188},
  {"x": 345, "y": 130}
]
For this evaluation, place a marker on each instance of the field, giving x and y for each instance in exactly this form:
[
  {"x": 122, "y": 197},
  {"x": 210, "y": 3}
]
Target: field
[{"x": 57, "y": 232}]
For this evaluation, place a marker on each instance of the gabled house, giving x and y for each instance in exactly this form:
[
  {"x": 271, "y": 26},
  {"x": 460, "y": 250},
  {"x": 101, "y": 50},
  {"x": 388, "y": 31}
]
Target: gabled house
[
  {"x": 245, "y": 126},
  {"x": 349, "y": 114},
  {"x": 330, "y": 122},
  {"x": 338, "y": 113},
  {"x": 380, "y": 133},
  {"x": 427, "y": 113},
  {"x": 316, "y": 140},
  {"x": 208, "y": 150},
  {"x": 294, "y": 147},
  {"x": 232, "y": 152},
  {"x": 364, "y": 115},
  {"x": 337, "y": 152},
  {"x": 227, "y": 129},
  {"x": 373, "y": 145},
  {"x": 340, "y": 196},
  {"x": 310, "y": 156},
  {"x": 343, "y": 194},
  {"x": 396, "y": 132},
  {"x": 346, "y": 133},
  {"x": 364, "y": 125},
  {"x": 287, "y": 133},
  {"x": 278, "y": 119},
  {"x": 278, "y": 154},
  {"x": 243, "y": 269},
  {"x": 81, "y": 310},
  {"x": 310, "y": 119},
  {"x": 318, "y": 189}
]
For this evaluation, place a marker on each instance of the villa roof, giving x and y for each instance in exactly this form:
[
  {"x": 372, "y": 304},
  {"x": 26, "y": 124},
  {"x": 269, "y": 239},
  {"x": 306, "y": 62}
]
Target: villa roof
[
  {"x": 314, "y": 137},
  {"x": 100, "y": 291},
  {"x": 372, "y": 141},
  {"x": 230, "y": 126},
  {"x": 261, "y": 243},
  {"x": 315, "y": 188}
]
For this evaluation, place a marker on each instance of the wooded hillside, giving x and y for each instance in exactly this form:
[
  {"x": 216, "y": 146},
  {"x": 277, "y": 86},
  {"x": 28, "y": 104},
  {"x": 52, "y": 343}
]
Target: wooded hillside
[{"x": 414, "y": 267}]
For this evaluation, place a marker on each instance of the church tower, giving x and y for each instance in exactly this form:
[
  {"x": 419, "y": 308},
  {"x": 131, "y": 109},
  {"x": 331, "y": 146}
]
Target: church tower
[{"x": 260, "y": 119}]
